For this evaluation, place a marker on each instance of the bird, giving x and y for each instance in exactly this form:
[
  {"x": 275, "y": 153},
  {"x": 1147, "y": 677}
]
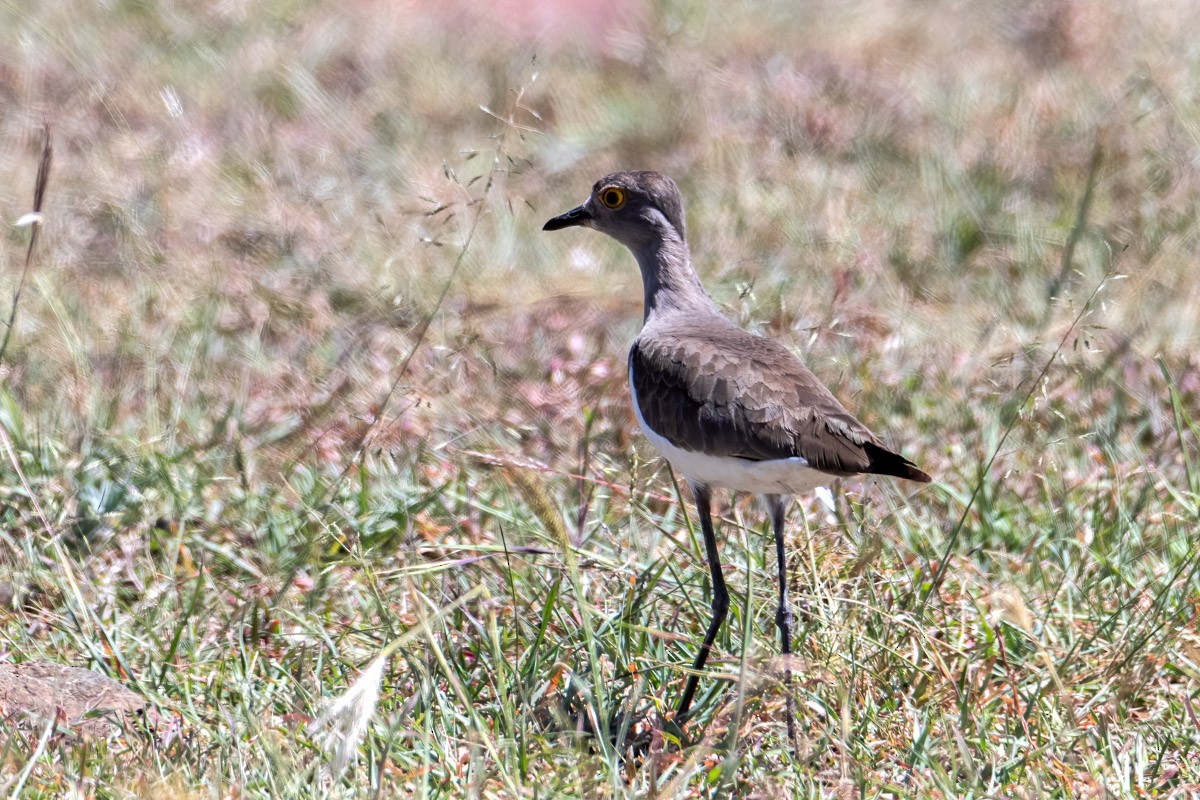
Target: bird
[{"x": 727, "y": 409}]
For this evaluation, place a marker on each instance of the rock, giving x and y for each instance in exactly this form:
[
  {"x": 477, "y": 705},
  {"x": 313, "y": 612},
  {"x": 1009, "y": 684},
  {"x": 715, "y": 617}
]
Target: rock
[{"x": 92, "y": 705}]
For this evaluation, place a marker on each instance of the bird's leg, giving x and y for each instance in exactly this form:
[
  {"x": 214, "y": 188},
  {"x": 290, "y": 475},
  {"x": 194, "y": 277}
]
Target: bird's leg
[
  {"x": 720, "y": 596},
  {"x": 783, "y": 616}
]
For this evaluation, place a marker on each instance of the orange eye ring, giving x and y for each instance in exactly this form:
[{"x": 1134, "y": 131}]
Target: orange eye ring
[{"x": 612, "y": 197}]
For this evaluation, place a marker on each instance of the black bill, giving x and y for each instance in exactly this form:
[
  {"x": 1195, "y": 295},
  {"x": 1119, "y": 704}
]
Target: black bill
[{"x": 576, "y": 216}]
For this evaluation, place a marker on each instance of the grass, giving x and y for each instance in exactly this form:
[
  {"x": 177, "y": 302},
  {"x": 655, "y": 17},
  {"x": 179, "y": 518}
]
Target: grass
[{"x": 295, "y": 378}]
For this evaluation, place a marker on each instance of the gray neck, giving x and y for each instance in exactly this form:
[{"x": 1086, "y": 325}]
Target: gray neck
[{"x": 668, "y": 277}]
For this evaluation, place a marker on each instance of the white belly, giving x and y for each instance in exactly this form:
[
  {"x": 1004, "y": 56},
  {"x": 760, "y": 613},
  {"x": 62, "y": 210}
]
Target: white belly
[{"x": 777, "y": 476}]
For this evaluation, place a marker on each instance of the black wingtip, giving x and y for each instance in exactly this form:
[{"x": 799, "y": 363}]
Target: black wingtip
[{"x": 885, "y": 462}]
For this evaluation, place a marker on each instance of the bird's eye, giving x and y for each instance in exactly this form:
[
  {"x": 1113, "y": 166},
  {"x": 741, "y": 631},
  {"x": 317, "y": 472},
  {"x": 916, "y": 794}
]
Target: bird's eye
[{"x": 612, "y": 197}]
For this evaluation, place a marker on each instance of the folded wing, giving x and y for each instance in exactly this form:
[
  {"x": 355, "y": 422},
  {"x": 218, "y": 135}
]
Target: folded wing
[{"x": 726, "y": 392}]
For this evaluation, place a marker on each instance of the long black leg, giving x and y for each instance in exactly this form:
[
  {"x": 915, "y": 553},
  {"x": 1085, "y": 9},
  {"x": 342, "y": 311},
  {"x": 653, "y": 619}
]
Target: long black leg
[
  {"x": 720, "y": 598},
  {"x": 783, "y": 616}
]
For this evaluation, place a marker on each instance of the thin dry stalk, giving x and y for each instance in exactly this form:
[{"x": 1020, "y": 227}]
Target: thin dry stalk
[{"x": 33, "y": 219}]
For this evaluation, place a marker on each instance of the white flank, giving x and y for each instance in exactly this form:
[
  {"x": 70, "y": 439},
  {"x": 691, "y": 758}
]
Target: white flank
[{"x": 777, "y": 476}]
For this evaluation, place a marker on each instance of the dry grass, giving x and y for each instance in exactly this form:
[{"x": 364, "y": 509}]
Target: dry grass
[{"x": 260, "y": 382}]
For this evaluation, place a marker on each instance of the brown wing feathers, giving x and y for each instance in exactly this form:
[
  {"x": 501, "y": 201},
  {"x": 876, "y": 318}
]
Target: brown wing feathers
[{"x": 723, "y": 391}]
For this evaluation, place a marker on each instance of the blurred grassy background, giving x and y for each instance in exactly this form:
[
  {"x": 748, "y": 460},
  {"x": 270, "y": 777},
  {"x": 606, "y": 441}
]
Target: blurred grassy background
[{"x": 293, "y": 307}]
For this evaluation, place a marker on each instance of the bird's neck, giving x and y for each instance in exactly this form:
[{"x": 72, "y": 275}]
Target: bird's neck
[{"x": 669, "y": 279}]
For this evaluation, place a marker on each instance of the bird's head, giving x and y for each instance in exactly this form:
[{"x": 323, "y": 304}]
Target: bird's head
[{"x": 638, "y": 209}]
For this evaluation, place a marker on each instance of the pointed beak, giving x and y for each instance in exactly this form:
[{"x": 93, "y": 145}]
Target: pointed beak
[{"x": 576, "y": 216}]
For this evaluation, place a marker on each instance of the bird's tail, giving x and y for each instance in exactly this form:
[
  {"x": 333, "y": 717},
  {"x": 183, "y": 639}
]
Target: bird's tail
[{"x": 885, "y": 462}]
